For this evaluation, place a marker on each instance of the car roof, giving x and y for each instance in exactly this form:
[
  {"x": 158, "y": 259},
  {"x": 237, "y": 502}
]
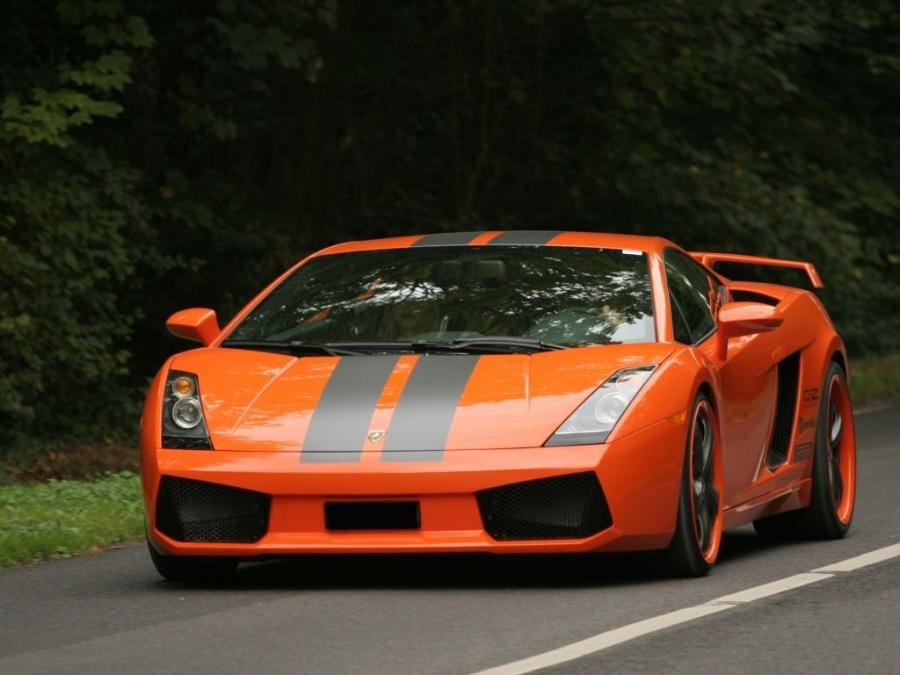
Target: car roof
[{"x": 508, "y": 238}]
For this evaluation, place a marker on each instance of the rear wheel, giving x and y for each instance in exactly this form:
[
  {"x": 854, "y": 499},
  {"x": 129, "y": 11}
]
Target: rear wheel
[
  {"x": 698, "y": 533},
  {"x": 833, "y": 498},
  {"x": 191, "y": 569}
]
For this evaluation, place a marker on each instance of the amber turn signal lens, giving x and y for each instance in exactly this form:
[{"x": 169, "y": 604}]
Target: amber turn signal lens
[{"x": 183, "y": 386}]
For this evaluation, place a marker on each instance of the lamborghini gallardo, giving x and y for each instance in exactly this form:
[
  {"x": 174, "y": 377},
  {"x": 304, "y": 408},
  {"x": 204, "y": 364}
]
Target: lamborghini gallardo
[{"x": 502, "y": 392}]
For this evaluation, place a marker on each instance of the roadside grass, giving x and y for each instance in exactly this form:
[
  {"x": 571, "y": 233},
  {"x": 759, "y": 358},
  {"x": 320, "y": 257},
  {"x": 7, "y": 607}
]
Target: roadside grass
[
  {"x": 875, "y": 380},
  {"x": 62, "y": 517}
]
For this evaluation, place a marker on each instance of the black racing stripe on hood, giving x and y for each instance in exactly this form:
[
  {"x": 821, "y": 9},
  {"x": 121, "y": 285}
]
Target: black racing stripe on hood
[
  {"x": 446, "y": 239},
  {"x": 524, "y": 238},
  {"x": 337, "y": 430},
  {"x": 421, "y": 421}
]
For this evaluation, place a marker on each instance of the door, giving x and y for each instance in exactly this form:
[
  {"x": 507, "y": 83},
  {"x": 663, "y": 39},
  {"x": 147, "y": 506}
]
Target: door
[{"x": 747, "y": 376}]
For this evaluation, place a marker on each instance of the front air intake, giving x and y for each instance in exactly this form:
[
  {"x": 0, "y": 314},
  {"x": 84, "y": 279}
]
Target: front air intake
[
  {"x": 192, "y": 510},
  {"x": 562, "y": 507}
]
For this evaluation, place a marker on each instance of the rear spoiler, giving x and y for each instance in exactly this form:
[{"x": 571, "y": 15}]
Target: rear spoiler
[{"x": 710, "y": 260}]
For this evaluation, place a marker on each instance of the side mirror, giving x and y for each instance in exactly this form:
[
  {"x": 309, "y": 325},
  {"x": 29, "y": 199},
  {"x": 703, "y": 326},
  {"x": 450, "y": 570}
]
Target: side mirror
[
  {"x": 198, "y": 323},
  {"x": 745, "y": 318}
]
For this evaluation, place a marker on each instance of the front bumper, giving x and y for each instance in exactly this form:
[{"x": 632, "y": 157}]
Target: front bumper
[{"x": 639, "y": 475}]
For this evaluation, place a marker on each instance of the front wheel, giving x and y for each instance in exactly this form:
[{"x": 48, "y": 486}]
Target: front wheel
[
  {"x": 698, "y": 532},
  {"x": 191, "y": 569}
]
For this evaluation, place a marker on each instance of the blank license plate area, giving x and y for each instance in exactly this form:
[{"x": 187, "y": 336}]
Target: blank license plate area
[{"x": 372, "y": 515}]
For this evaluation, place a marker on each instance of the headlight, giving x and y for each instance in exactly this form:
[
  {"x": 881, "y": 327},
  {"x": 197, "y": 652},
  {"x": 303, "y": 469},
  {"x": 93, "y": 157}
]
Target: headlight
[
  {"x": 183, "y": 424},
  {"x": 595, "y": 418},
  {"x": 187, "y": 413}
]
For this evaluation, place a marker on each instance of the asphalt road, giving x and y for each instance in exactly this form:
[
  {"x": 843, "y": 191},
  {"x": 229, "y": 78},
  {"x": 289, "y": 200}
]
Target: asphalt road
[{"x": 111, "y": 613}]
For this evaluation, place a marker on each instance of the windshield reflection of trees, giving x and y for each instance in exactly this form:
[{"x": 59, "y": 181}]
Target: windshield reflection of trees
[{"x": 566, "y": 295}]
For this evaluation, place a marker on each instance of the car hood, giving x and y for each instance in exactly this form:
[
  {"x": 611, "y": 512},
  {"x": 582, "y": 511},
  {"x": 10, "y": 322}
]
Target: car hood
[{"x": 405, "y": 406}]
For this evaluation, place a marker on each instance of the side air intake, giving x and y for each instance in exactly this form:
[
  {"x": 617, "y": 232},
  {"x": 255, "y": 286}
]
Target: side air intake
[
  {"x": 785, "y": 410},
  {"x": 753, "y": 296},
  {"x": 192, "y": 510},
  {"x": 562, "y": 507}
]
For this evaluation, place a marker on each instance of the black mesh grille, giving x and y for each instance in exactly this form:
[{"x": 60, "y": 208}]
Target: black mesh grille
[
  {"x": 563, "y": 507},
  {"x": 191, "y": 510},
  {"x": 785, "y": 406},
  {"x": 753, "y": 296}
]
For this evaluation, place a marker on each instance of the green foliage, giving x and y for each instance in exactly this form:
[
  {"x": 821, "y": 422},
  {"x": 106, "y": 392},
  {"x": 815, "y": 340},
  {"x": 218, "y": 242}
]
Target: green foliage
[
  {"x": 61, "y": 518},
  {"x": 56, "y": 98},
  {"x": 156, "y": 155},
  {"x": 63, "y": 260},
  {"x": 103, "y": 213}
]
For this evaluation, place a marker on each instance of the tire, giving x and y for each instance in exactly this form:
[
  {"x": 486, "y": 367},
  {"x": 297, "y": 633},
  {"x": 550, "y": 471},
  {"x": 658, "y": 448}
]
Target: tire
[
  {"x": 833, "y": 494},
  {"x": 191, "y": 569},
  {"x": 698, "y": 528}
]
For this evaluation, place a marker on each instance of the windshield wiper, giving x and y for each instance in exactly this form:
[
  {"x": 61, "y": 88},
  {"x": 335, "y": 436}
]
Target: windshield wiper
[
  {"x": 506, "y": 342},
  {"x": 481, "y": 343},
  {"x": 293, "y": 348},
  {"x": 378, "y": 345}
]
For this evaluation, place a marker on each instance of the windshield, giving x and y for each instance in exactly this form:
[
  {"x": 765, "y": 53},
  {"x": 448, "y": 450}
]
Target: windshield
[{"x": 563, "y": 295}]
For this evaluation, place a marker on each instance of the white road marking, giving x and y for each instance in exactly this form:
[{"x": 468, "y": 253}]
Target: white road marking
[
  {"x": 606, "y": 640},
  {"x": 617, "y": 636},
  {"x": 870, "y": 558},
  {"x": 773, "y": 588}
]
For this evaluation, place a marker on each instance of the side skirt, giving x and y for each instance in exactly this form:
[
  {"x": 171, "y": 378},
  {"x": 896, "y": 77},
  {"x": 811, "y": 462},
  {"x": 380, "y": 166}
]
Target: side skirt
[{"x": 793, "y": 496}]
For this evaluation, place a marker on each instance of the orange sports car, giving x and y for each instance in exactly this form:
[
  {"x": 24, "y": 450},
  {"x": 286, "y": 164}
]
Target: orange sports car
[{"x": 503, "y": 392}]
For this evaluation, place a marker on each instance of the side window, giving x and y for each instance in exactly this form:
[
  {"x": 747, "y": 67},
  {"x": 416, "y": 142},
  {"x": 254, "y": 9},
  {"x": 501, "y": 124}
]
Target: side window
[
  {"x": 694, "y": 296},
  {"x": 679, "y": 322}
]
